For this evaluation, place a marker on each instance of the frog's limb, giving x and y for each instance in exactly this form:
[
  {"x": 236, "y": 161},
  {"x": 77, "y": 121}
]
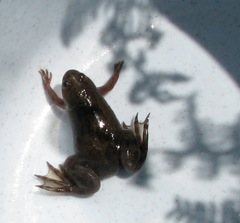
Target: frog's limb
[
  {"x": 82, "y": 176},
  {"x": 46, "y": 78},
  {"x": 109, "y": 85},
  {"x": 74, "y": 176},
  {"x": 54, "y": 180},
  {"x": 134, "y": 148}
]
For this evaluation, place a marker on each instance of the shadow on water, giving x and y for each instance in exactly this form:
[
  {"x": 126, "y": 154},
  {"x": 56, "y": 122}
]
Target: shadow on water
[
  {"x": 78, "y": 14},
  {"x": 120, "y": 26},
  {"x": 141, "y": 178},
  {"x": 151, "y": 84},
  {"x": 215, "y": 25},
  {"x": 217, "y": 148},
  {"x": 214, "y": 146},
  {"x": 118, "y": 33},
  {"x": 200, "y": 212}
]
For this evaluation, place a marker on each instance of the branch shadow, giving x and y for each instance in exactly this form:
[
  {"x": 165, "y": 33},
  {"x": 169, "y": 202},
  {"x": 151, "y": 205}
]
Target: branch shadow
[
  {"x": 201, "y": 212},
  {"x": 120, "y": 31},
  {"x": 77, "y": 16},
  {"x": 214, "y": 146},
  {"x": 80, "y": 13},
  {"x": 152, "y": 84},
  {"x": 215, "y": 25}
]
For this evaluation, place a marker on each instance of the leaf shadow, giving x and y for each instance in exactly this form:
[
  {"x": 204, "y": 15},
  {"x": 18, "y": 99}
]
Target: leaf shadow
[
  {"x": 130, "y": 22},
  {"x": 202, "y": 212},
  {"x": 215, "y": 146}
]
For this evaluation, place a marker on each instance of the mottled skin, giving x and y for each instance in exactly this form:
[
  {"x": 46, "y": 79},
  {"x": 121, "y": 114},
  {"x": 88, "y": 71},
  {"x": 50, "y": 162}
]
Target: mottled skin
[{"x": 103, "y": 145}]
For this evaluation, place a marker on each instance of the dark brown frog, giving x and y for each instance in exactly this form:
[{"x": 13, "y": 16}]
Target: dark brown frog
[{"x": 103, "y": 145}]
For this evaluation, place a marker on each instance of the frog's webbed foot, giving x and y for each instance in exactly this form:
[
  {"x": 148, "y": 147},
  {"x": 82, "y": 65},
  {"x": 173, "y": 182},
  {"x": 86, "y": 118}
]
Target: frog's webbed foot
[
  {"x": 140, "y": 130},
  {"x": 55, "y": 180},
  {"x": 73, "y": 176}
]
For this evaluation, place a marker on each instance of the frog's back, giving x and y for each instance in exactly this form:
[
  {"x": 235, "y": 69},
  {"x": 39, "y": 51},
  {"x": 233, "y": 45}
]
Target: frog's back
[{"x": 96, "y": 133}]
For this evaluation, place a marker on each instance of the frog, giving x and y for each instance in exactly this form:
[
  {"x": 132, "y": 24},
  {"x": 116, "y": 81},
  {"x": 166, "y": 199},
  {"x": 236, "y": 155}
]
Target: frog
[{"x": 103, "y": 146}]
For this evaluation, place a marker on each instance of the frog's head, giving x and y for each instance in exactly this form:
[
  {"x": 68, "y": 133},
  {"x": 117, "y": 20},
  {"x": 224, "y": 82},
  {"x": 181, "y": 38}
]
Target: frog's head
[{"x": 77, "y": 89}]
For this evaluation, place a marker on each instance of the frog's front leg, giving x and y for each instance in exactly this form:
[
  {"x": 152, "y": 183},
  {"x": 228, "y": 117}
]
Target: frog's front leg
[
  {"x": 74, "y": 176},
  {"x": 109, "y": 85},
  {"x": 46, "y": 79},
  {"x": 134, "y": 145}
]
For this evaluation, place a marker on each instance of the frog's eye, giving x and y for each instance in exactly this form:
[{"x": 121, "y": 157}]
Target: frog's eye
[
  {"x": 66, "y": 84},
  {"x": 81, "y": 76}
]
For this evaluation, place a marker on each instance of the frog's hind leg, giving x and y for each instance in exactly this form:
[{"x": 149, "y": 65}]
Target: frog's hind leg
[
  {"x": 74, "y": 176},
  {"x": 54, "y": 180},
  {"x": 141, "y": 131},
  {"x": 134, "y": 153},
  {"x": 109, "y": 85}
]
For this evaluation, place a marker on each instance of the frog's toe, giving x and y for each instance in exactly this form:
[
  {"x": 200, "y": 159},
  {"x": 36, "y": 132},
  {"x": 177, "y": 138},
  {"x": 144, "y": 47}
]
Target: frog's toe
[
  {"x": 55, "y": 188},
  {"x": 132, "y": 159},
  {"x": 54, "y": 180},
  {"x": 140, "y": 130},
  {"x": 46, "y": 76}
]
